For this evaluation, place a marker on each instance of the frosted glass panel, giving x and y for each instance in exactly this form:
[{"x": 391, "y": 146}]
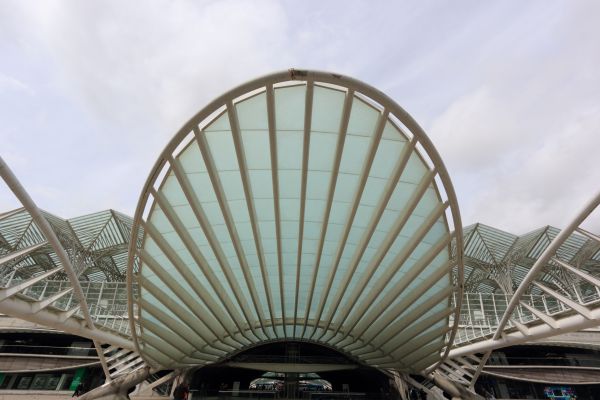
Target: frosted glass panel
[
  {"x": 282, "y": 244},
  {"x": 363, "y": 118},
  {"x": 327, "y": 109},
  {"x": 290, "y": 103}
]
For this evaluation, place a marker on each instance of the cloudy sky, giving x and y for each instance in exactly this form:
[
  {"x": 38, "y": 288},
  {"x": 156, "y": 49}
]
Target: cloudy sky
[{"x": 509, "y": 91}]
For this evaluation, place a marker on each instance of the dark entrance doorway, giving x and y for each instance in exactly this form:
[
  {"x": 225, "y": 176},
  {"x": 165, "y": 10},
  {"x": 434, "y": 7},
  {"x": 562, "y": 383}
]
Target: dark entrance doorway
[{"x": 290, "y": 370}]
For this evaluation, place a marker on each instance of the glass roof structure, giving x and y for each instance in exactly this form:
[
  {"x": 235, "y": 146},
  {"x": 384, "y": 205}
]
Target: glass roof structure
[
  {"x": 498, "y": 261},
  {"x": 299, "y": 206},
  {"x": 97, "y": 243},
  {"x": 302, "y": 206},
  {"x": 495, "y": 263}
]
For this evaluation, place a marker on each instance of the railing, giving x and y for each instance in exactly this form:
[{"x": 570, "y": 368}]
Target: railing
[
  {"x": 481, "y": 312},
  {"x": 259, "y": 394},
  {"x": 246, "y": 394},
  {"x": 108, "y": 318},
  {"x": 343, "y": 395},
  {"x": 49, "y": 350},
  {"x": 566, "y": 361},
  {"x": 107, "y": 300},
  {"x": 260, "y": 358}
]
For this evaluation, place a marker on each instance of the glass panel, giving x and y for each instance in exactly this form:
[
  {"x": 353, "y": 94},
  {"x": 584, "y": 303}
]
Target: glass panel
[
  {"x": 290, "y": 106},
  {"x": 252, "y": 113},
  {"x": 364, "y": 277},
  {"x": 327, "y": 109},
  {"x": 363, "y": 118}
]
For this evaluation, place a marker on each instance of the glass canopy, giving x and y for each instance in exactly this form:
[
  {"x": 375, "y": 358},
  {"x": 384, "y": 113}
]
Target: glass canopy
[{"x": 300, "y": 206}]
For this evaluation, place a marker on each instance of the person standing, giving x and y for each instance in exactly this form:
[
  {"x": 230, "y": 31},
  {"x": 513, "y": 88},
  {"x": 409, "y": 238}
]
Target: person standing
[
  {"x": 181, "y": 391},
  {"x": 78, "y": 390}
]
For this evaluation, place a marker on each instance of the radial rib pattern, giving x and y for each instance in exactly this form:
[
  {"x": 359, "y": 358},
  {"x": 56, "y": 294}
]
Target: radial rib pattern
[{"x": 300, "y": 206}]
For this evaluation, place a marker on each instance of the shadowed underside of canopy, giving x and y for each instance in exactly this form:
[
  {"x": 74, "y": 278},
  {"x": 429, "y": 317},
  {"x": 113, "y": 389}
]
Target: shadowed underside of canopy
[{"x": 300, "y": 206}]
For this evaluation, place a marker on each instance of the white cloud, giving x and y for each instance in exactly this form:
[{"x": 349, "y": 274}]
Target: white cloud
[
  {"x": 9, "y": 83},
  {"x": 161, "y": 62},
  {"x": 521, "y": 143},
  {"x": 550, "y": 184},
  {"x": 90, "y": 92},
  {"x": 476, "y": 132},
  {"x": 128, "y": 77}
]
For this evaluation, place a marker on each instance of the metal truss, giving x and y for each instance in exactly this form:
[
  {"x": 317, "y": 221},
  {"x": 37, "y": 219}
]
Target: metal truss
[
  {"x": 497, "y": 261},
  {"x": 303, "y": 205},
  {"x": 71, "y": 274},
  {"x": 32, "y": 253},
  {"x": 122, "y": 361},
  {"x": 560, "y": 293},
  {"x": 96, "y": 244}
]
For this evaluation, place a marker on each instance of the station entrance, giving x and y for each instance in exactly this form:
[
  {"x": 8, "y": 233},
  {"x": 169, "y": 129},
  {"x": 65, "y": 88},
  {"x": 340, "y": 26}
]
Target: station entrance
[{"x": 290, "y": 370}]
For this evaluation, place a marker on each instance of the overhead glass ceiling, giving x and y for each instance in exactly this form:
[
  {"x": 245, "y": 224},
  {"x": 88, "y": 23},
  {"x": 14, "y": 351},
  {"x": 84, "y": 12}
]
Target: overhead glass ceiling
[{"x": 304, "y": 206}]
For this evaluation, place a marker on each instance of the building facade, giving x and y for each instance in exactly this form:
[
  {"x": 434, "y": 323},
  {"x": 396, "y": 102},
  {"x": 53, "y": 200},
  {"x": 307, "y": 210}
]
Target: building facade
[{"x": 301, "y": 209}]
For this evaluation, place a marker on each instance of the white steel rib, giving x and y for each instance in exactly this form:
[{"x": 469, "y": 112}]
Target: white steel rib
[
  {"x": 300, "y": 206},
  {"x": 542, "y": 306}
]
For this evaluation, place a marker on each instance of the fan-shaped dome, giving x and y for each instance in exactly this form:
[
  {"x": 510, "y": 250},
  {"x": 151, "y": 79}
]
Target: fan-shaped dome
[{"x": 300, "y": 206}]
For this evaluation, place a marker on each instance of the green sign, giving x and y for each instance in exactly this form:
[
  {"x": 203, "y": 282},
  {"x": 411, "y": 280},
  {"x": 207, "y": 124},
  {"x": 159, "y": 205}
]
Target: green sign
[{"x": 79, "y": 374}]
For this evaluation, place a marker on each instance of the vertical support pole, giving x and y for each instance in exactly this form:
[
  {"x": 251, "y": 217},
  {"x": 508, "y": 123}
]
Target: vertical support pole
[
  {"x": 545, "y": 304},
  {"x": 10, "y": 278},
  {"x": 495, "y": 308},
  {"x": 578, "y": 293},
  {"x": 470, "y": 320},
  {"x": 44, "y": 226},
  {"x": 100, "y": 294},
  {"x": 41, "y": 296},
  {"x": 115, "y": 291},
  {"x": 481, "y": 304}
]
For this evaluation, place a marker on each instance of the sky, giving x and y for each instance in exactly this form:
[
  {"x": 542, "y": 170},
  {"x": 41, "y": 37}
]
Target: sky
[{"x": 508, "y": 91}]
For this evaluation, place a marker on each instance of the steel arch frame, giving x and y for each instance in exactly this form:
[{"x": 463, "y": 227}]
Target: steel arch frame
[{"x": 166, "y": 159}]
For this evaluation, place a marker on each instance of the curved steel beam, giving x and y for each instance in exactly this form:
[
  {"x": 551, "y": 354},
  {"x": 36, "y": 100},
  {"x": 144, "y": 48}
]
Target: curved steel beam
[
  {"x": 26, "y": 200},
  {"x": 325, "y": 319}
]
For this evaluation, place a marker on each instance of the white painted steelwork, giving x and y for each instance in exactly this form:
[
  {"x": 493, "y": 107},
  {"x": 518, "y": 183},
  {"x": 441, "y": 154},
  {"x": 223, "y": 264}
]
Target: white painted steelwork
[
  {"x": 300, "y": 206},
  {"x": 561, "y": 310},
  {"x": 41, "y": 311}
]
